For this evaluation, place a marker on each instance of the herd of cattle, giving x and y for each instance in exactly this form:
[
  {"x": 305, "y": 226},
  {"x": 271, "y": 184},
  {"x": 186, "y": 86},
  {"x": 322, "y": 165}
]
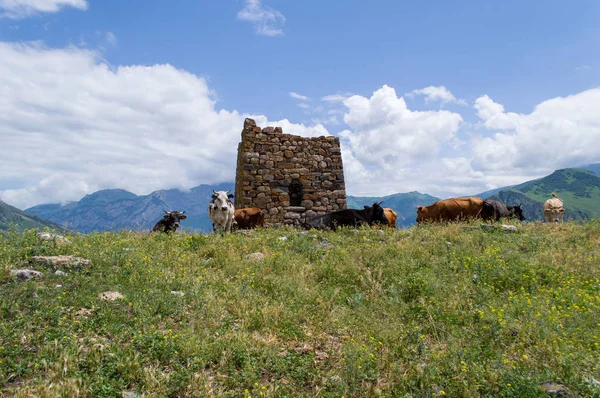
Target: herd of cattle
[{"x": 225, "y": 217}]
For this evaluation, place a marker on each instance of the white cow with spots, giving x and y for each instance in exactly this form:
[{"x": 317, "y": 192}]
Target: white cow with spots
[
  {"x": 221, "y": 211},
  {"x": 554, "y": 209}
]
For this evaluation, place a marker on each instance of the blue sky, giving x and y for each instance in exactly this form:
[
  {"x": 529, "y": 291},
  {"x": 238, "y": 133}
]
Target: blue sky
[{"x": 250, "y": 55}]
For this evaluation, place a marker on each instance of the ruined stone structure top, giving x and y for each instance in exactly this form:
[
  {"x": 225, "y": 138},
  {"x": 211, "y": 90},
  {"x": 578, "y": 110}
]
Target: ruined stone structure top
[{"x": 290, "y": 177}]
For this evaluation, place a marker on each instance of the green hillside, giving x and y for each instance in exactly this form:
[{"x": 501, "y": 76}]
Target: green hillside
[
  {"x": 431, "y": 311},
  {"x": 11, "y": 216},
  {"x": 404, "y": 204},
  {"x": 578, "y": 188}
]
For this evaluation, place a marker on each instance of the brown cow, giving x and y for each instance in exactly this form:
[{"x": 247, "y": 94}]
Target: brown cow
[
  {"x": 451, "y": 210},
  {"x": 391, "y": 216},
  {"x": 248, "y": 218}
]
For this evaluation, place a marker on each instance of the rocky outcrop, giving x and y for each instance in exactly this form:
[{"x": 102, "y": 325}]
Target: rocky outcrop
[
  {"x": 54, "y": 262},
  {"x": 26, "y": 274}
]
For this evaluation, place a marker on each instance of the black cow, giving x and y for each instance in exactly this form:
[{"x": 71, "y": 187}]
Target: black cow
[
  {"x": 349, "y": 217},
  {"x": 494, "y": 210},
  {"x": 170, "y": 222}
]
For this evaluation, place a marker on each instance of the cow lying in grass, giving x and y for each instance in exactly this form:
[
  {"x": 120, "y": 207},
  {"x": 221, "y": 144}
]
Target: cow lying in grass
[
  {"x": 170, "y": 222},
  {"x": 494, "y": 210},
  {"x": 349, "y": 218}
]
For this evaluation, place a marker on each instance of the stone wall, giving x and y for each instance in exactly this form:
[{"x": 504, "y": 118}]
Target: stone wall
[{"x": 290, "y": 177}]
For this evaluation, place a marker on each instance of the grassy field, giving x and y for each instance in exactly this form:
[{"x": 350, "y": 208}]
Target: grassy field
[{"x": 450, "y": 311}]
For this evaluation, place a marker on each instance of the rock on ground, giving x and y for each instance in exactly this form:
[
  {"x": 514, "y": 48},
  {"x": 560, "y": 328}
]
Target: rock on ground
[
  {"x": 60, "y": 261},
  {"x": 258, "y": 256},
  {"x": 110, "y": 296},
  {"x": 26, "y": 274},
  {"x": 324, "y": 245},
  {"x": 555, "y": 389},
  {"x": 46, "y": 236},
  {"x": 503, "y": 227}
]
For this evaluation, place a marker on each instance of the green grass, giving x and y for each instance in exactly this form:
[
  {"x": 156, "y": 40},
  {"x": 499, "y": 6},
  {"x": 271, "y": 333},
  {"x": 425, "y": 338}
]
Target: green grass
[{"x": 398, "y": 313}]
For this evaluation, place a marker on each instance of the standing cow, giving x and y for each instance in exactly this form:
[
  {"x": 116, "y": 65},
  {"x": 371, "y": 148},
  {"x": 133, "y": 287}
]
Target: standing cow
[
  {"x": 391, "y": 216},
  {"x": 554, "y": 209},
  {"x": 248, "y": 218},
  {"x": 451, "y": 210},
  {"x": 221, "y": 211}
]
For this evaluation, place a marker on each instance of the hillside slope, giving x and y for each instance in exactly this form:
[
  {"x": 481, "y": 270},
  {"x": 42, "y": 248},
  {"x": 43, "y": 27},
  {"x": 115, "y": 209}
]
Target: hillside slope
[
  {"x": 354, "y": 313},
  {"x": 578, "y": 188},
  {"x": 10, "y": 215}
]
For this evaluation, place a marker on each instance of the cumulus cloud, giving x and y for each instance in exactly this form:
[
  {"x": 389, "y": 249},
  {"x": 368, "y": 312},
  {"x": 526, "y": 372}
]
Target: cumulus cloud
[
  {"x": 71, "y": 124},
  {"x": 437, "y": 94},
  {"x": 388, "y": 134},
  {"x": 299, "y": 96},
  {"x": 560, "y": 132},
  {"x": 267, "y": 21},
  {"x": 17, "y": 9}
]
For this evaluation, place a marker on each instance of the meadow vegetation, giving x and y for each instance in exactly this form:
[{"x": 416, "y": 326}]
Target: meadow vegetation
[{"x": 453, "y": 311}]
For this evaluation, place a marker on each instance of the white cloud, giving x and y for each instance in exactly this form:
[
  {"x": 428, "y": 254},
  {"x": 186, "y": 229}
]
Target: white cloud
[
  {"x": 267, "y": 21},
  {"x": 111, "y": 39},
  {"x": 583, "y": 67},
  {"x": 335, "y": 97},
  {"x": 388, "y": 134},
  {"x": 71, "y": 124},
  {"x": 389, "y": 148},
  {"x": 299, "y": 96},
  {"x": 560, "y": 132},
  {"x": 437, "y": 93},
  {"x": 304, "y": 106},
  {"x": 17, "y": 9}
]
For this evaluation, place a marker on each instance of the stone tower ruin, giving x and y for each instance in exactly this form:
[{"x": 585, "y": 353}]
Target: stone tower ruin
[{"x": 290, "y": 177}]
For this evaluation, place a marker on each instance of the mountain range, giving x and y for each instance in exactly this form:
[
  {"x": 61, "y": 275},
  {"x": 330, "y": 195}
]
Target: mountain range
[{"x": 114, "y": 209}]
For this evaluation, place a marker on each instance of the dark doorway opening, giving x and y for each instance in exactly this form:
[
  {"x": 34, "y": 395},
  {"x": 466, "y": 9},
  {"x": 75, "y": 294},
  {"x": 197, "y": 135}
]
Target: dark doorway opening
[{"x": 295, "y": 193}]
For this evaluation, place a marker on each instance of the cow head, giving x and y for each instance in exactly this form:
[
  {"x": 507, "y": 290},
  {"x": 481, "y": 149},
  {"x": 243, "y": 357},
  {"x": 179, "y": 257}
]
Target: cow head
[
  {"x": 377, "y": 214},
  {"x": 221, "y": 200},
  {"x": 173, "y": 218},
  {"x": 518, "y": 212},
  {"x": 421, "y": 213},
  {"x": 555, "y": 213}
]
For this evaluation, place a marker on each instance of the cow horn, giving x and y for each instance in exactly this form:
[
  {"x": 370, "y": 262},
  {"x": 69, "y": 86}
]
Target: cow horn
[
  {"x": 228, "y": 191},
  {"x": 183, "y": 212},
  {"x": 166, "y": 212},
  {"x": 215, "y": 192}
]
